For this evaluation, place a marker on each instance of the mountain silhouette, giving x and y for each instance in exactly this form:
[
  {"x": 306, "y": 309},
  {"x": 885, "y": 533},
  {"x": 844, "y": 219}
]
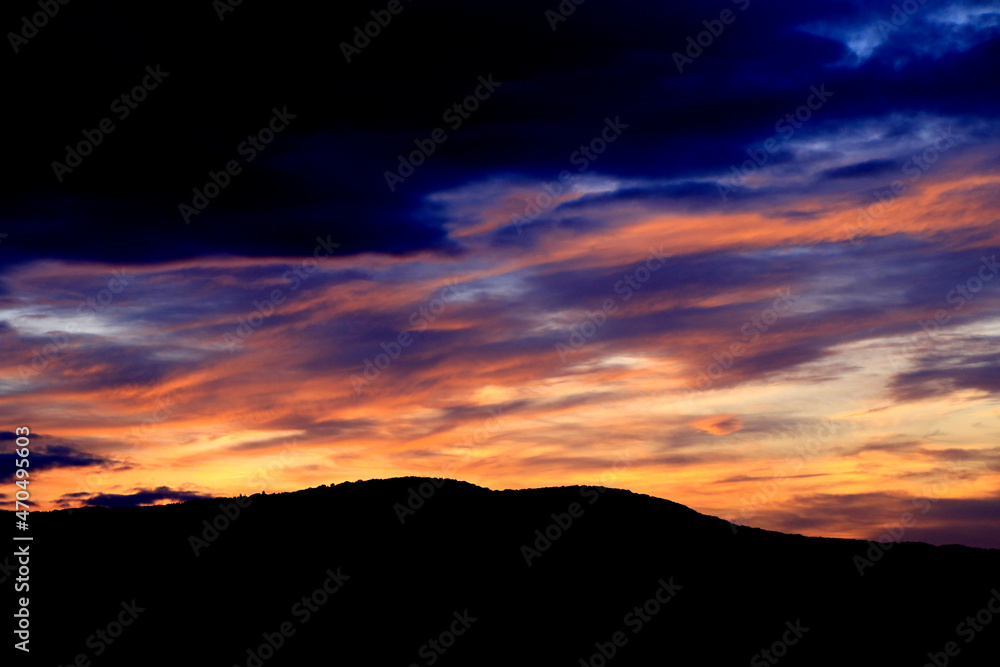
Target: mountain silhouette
[{"x": 418, "y": 571}]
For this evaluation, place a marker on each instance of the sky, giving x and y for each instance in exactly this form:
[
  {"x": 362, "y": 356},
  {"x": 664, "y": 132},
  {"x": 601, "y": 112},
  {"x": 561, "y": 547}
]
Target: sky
[{"x": 740, "y": 255}]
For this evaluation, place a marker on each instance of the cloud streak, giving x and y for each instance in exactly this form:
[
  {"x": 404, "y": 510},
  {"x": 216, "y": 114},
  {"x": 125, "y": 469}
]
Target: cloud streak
[{"x": 876, "y": 212}]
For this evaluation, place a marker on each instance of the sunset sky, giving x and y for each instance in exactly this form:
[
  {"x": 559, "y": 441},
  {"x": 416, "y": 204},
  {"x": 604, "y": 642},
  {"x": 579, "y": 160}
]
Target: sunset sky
[{"x": 755, "y": 273}]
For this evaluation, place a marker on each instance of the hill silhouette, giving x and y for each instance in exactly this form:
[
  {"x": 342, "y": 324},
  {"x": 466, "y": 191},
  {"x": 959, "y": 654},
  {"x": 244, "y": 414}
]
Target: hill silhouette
[{"x": 417, "y": 571}]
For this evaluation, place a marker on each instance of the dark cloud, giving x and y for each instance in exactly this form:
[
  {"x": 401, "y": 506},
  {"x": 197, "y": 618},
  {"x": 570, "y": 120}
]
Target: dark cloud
[
  {"x": 11, "y": 435},
  {"x": 49, "y": 457},
  {"x": 324, "y": 173},
  {"x": 90, "y": 363},
  {"x": 862, "y": 169},
  {"x": 845, "y": 307},
  {"x": 734, "y": 479},
  {"x": 138, "y": 497},
  {"x": 682, "y": 460},
  {"x": 928, "y": 518},
  {"x": 317, "y": 432},
  {"x": 322, "y": 177},
  {"x": 895, "y": 446},
  {"x": 938, "y": 375}
]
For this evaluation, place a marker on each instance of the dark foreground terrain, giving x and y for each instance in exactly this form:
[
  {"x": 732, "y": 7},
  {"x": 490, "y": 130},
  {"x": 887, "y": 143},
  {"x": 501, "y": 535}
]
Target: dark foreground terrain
[{"x": 331, "y": 576}]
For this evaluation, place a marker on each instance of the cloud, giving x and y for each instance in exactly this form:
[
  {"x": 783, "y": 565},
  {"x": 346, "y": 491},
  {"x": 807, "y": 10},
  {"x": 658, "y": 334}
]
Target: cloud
[
  {"x": 740, "y": 479},
  {"x": 11, "y": 435},
  {"x": 932, "y": 519},
  {"x": 50, "y": 457},
  {"x": 528, "y": 336},
  {"x": 719, "y": 424},
  {"x": 939, "y": 374},
  {"x": 324, "y": 174},
  {"x": 134, "y": 499},
  {"x": 862, "y": 169}
]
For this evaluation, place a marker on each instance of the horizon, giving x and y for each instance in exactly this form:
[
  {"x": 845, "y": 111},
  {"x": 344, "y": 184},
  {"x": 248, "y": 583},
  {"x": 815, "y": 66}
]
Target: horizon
[
  {"x": 740, "y": 256},
  {"x": 405, "y": 506},
  {"x": 416, "y": 499}
]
